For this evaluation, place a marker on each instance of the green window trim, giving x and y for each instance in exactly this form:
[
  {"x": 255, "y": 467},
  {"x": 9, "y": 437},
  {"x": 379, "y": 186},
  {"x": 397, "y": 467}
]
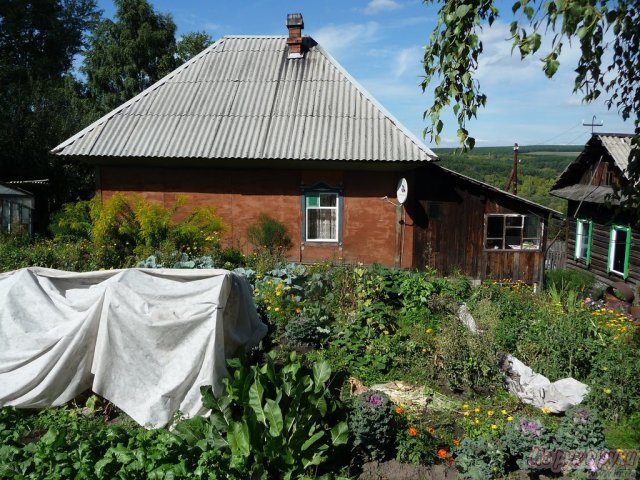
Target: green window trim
[
  {"x": 580, "y": 232},
  {"x": 627, "y": 251}
]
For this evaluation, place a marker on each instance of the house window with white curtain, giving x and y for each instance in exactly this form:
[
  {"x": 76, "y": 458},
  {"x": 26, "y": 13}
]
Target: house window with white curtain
[
  {"x": 584, "y": 232},
  {"x": 322, "y": 216},
  {"x": 619, "y": 250}
]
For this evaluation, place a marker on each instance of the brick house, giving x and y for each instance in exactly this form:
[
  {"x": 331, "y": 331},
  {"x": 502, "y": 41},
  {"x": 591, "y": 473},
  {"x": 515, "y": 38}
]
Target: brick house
[{"x": 273, "y": 124}]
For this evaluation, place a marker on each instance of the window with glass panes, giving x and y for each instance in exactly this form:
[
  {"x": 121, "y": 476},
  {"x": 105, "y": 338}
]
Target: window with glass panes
[
  {"x": 321, "y": 216},
  {"x": 512, "y": 232},
  {"x": 619, "y": 250},
  {"x": 584, "y": 230}
]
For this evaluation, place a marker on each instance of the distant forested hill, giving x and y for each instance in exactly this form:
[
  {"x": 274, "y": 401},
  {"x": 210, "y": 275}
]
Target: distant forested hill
[{"x": 538, "y": 169}]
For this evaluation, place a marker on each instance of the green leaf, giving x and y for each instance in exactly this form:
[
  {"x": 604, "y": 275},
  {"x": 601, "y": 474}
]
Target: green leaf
[
  {"x": 321, "y": 373},
  {"x": 321, "y": 405},
  {"x": 256, "y": 392},
  {"x": 238, "y": 439},
  {"x": 551, "y": 67},
  {"x": 54, "y": 438},
  {"x": 122, "y": 454},
  {"x": 516, "y": 6},
  {"x": 313, "y": 439},
  {"x": 317, "y": 459},
  {"x": 192, "y": 430},
  {"x": 582, "y": 32},
  {"x": 340, "y": 434},
  {"x": 462, "y": 10},
  {"x": 274, "y": 417},
  {"x": 208, "y": 399}
]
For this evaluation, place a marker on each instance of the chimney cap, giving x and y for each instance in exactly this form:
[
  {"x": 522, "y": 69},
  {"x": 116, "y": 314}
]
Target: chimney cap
[{"x": 295, "y": 20}]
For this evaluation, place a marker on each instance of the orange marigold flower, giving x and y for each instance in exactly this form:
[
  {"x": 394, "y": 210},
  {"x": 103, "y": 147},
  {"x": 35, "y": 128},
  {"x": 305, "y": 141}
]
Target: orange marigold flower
[
  {"x": 442, "y": 453},
  {"x": 413, "y": 431},
  {"x": 456, "y": 442},
  {"x": 431, "y": 429},
  {"x": 399, "y": 410}
]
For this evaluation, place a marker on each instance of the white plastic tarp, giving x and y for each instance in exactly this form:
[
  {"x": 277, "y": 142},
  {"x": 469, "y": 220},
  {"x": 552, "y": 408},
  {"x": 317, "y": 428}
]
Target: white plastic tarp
[{"x": 144, "y": 339}]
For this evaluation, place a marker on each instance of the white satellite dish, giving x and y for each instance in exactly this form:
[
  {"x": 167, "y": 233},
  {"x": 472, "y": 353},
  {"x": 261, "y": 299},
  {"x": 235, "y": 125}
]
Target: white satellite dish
[{"x": 403, "y": 191}]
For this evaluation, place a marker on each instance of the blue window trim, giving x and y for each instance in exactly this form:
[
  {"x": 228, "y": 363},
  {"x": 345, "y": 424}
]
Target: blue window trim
[{"x": 321, "y": 187}]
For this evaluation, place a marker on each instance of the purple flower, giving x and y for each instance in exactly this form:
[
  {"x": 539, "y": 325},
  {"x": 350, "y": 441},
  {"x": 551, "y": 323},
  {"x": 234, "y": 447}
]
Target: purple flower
[
  {"x": 530, "y": 427},
  {"x": 375, "y": 400},
  {"x": 592, "y": 465}
]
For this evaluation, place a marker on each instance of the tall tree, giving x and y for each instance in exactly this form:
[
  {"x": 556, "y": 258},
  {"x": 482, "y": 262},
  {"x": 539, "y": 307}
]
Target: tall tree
[
  {"x": 128, "y": 54},
  {"x": 191, "y": 44},
  {"x": 601, "y": 28},
  {"x": 38, "y": 42}
]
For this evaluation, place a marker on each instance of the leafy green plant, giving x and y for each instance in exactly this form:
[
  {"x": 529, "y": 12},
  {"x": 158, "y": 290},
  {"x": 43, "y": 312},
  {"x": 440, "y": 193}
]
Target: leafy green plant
[
  {"x": 373, "y": 425},
  {"x": 310, "y": 328},
  {"x": 567, "y": 279},
  {"x": 273, "y": 421},
  {"x": 270, "y": 235},
  {"x": 463, "y": 360},
  {"x": 72, "y": 222},
  {"x": 481, "y": 458},
  {"x": 521, "y": 436},
  {"x": 580, "y": 428}
]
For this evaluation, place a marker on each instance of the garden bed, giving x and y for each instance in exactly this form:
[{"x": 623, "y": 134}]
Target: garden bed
[{"x": 300, "y": 415}]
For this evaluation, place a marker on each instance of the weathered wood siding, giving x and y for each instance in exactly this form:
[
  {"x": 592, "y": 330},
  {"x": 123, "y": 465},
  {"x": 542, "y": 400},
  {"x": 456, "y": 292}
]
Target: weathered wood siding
[
  {"x": 602, "y": 220},
  {"x": 449, "y": 230}
]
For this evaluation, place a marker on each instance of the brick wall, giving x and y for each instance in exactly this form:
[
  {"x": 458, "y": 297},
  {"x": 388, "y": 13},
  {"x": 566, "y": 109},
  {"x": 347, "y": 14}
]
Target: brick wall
[{"x": 370, "y": 233}]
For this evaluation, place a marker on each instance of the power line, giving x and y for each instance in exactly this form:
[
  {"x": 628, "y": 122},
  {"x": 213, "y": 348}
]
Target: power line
[{"x": 558, "y": 135}]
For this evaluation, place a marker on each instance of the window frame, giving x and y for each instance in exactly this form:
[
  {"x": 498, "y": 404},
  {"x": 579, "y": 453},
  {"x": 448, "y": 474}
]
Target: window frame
[
  {"x": 580, "y": 225},
  {"x": 317, "y": 190},
  {"x": 611, "y": 253},
  {"x": 538, "y": 238}
]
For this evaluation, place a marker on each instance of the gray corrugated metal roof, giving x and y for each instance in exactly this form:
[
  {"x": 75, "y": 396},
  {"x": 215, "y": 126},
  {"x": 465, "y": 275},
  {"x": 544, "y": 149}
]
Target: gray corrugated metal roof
[
  {"x": 242, "y": 98},
  {"x": 585, "y": 193},
  {"x": 501, "y": 192},
  {"x": 13, "y": 192},
  {"x": 619, "y": 147}
]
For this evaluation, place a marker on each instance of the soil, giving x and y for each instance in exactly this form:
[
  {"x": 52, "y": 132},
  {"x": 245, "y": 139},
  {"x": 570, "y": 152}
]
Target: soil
[{"x": 394, "y": 470}]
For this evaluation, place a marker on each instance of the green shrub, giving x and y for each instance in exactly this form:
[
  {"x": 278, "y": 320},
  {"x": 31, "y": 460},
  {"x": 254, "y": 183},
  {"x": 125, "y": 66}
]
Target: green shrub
[
  {"x": 373, "y": 425},
  {"x": 72, "y": 222},
  {"x": 614, "y": 383},
  {"x": 567, "y": 279},
  {"x": 20, "y": 252},
  {"x": 463, "y": 360},
  {"x": 125, "y": 229},
  {"x": 269, "y": 235}
]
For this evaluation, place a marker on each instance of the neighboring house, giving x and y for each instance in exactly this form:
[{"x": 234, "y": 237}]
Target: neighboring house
[
  {"x": 600, "y": 239},
  {"x": 16, "y": 209},
  {"x": 275, "y": 125}
]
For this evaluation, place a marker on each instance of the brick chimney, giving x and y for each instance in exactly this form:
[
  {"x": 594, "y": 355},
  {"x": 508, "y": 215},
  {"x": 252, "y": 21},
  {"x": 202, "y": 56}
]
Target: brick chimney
[{"x": 295, "y": 24}]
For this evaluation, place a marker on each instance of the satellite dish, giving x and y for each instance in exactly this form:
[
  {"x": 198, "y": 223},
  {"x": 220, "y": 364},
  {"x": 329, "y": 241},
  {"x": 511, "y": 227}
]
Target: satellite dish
[{"x": 403, "y": 191}]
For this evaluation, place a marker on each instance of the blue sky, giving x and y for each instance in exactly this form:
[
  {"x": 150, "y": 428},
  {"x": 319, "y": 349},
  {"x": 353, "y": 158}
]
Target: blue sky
[{"x": 380, "y": 43}]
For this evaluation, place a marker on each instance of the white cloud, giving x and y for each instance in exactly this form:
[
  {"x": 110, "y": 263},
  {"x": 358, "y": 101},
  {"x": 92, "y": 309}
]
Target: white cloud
[
  {"x": 211, "y": 26},
  {"x": 405, "y": 59},
  {"x": 345, "y": 37},
  {"x": 375, "y": 6}
]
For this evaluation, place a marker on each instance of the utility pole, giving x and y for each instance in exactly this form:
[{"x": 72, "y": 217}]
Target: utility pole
[
  {"x": 513, "y": 178},
  {"x": 593, "y": 123}
]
